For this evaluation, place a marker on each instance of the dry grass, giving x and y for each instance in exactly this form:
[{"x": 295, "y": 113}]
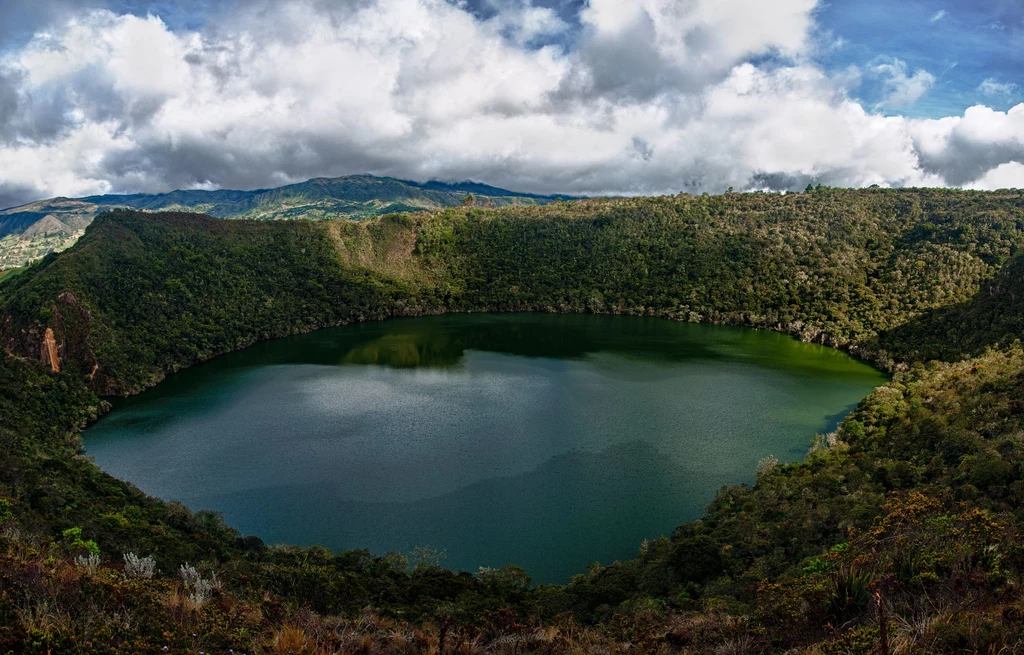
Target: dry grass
[{"x": 289, "y": 640}]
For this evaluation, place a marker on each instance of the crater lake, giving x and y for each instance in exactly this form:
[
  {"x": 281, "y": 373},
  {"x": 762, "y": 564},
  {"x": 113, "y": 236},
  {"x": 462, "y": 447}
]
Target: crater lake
[{"x": 541, "y": 440}]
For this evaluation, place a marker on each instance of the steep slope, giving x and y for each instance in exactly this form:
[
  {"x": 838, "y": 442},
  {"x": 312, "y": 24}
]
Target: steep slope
[
  {"x": 163, "y": 291},
  {"x": 994, "y": 317},
  {"x": 31, "y": 231},
  {"x": 195, "y": 285}
]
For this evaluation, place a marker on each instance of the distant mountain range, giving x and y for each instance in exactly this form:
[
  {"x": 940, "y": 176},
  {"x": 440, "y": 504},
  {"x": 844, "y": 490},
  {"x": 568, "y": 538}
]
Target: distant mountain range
[{"x": 31, "y": 231}]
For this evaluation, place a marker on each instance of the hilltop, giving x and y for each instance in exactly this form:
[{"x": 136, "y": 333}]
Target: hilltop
[{"x": 31, "y": 231}]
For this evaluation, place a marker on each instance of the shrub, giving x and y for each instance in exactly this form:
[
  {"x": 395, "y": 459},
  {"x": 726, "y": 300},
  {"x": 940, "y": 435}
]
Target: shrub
[
  {"x": 139, "y": 567},
  {"x": 198, "y": 589},
  {"x": 90, "y": 562},
  {"x": 766, "y": 466},
  {"x": 74, "y": 542}
]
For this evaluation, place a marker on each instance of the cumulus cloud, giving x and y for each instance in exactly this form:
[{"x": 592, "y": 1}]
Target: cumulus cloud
[
  {"x": 1004, "y": 176},
  {"x": 963, "y": 150},
  {"x": 525, "y": 23},
  {"x": 901, "y": 88},
  {"x": 651, "y": 96},
  {"x": 645, "y": 48}
]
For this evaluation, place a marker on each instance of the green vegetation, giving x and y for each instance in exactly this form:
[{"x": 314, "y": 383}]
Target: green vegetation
[
  {"x": 8, "y": 274},
  {"x": 32, "y": 231},
  {"x": 900, "y": 532}
]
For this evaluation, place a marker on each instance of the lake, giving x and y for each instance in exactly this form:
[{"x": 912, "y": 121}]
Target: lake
[{"x": 541, "y": 440}]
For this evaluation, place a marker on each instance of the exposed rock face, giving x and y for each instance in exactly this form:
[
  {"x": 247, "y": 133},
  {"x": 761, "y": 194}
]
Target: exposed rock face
[
  {"x": 49, "y": 353},
  {"x": 63, "y": 343},
  {"x": 72, "y": 326}
]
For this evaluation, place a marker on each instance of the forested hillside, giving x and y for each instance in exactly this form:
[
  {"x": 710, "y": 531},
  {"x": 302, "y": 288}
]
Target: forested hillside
[
  {"x": 36, "y": 229},
  {"x": 898, "y": 533},
  {"x": 839, "y": 267},
  {"x": 994, "y": 316}
]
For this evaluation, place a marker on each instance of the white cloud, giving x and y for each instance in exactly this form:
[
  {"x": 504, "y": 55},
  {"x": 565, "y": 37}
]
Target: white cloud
[
  {"x": 965, "y": 149},
  {"x": 793, "y": 126},
  {"x": 657, "y": 96},
  {"x": 644, "y": 48},
  {"x": 939, "y": 15},
  {"x": 900, "y": 88},
  {"x": 1005, "y": 176},
  {"x": 700, "y": 30},
  {"x": 994, "y": 88},
  {"x": 525, "y": 23},
  {"x": 72, "y": 166}
]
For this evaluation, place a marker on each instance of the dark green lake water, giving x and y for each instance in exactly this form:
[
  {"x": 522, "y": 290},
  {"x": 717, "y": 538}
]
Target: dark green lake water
[{"x": 547, "y": 441}]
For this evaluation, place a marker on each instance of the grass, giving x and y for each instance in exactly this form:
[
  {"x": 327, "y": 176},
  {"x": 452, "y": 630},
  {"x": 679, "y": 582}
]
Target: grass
[{"x": 10, "y": 273}]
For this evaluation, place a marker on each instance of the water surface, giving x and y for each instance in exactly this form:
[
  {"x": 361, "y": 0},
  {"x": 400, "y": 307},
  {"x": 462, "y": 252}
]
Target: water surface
[{"x": 547, "y": 441}]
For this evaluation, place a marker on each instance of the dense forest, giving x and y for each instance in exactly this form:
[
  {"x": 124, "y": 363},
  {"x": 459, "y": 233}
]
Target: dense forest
[{"x": 899, "y": 533}]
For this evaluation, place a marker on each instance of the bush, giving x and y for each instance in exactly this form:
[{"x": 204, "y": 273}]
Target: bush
[
  {"x": 73, "y": 542},
  {"x": 89, "y": 563},
  {"x": 139, "y": 567}
]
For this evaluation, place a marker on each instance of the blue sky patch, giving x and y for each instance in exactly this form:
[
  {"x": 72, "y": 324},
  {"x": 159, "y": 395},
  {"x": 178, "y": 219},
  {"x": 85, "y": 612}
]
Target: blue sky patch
[{"x": 962, "y": 43}]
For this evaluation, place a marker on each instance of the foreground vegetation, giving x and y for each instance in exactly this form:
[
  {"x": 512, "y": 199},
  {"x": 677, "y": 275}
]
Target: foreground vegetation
[{"x": 900, "y": 532}]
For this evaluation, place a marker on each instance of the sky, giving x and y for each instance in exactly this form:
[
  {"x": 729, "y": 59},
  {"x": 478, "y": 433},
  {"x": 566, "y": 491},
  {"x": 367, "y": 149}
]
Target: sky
[{"x": 589, "y": 97}]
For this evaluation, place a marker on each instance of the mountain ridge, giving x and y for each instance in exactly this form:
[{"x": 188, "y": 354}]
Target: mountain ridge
[{"x": 32, "y": 230}]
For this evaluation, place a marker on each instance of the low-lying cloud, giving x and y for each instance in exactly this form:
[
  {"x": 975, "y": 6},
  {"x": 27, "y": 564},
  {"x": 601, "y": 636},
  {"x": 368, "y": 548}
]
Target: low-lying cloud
[{"x": 651, "y": 96}]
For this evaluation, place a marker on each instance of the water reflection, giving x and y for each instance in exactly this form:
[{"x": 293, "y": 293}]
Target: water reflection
[{"x": 545, "y": 440}]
